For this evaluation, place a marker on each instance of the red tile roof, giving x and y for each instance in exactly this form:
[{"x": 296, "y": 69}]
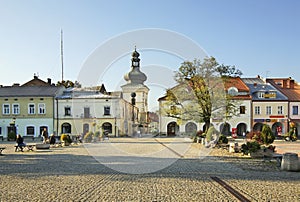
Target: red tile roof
[{"x": 287, "y": 86}]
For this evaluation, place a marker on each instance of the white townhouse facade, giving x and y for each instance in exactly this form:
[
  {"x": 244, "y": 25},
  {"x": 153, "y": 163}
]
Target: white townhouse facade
[
  {"x": 81, "y": 110},
  {"x": 237, "y": 123}
]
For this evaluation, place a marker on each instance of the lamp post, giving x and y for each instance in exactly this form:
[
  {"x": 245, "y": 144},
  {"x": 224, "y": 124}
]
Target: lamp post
[{"x": 133, "y": 95}]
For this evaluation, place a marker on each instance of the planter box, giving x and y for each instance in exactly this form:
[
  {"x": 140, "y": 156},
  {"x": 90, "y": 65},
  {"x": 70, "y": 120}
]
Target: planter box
[
  {"x": 258, "y": 154},
  {"x": 42, "y": 146}
]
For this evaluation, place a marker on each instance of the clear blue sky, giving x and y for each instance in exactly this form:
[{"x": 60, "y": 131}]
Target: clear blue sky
[{"x": 257, "y": 36}]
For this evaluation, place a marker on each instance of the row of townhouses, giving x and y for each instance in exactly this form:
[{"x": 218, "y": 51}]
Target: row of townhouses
[
  {"x": 272, "y": 101},
  {"x": 29, "y": 108}
]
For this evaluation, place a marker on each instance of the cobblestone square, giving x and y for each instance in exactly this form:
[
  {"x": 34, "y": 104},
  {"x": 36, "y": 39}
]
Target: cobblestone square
[{"x": 74, "y": 174}]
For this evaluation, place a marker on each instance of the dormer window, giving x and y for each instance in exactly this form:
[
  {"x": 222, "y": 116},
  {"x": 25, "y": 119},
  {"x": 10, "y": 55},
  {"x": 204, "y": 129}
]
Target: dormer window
[
  {"x": 233, "y": 91},
  {"x": 260, "y": 94},
  {"x": 270, "y": 94}
]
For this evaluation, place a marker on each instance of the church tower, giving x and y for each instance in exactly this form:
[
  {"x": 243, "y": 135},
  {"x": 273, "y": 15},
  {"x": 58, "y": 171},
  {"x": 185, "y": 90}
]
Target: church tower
[{"x": 135, "y": 86}]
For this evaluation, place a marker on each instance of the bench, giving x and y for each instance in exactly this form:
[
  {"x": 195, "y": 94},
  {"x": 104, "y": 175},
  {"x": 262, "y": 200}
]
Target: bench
[
  {"x": 1, "y": 149},
  {"x": 276, "y": 156},
  {"x": 30, "y": 147}
]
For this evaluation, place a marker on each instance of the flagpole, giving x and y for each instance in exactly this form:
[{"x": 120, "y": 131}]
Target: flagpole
[{"x": 62, "y": 55}]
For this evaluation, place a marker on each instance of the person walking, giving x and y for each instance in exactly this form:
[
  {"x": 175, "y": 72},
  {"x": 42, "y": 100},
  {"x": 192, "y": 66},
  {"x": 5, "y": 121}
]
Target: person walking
[
  {"x": 45, "y": 135},
  {"x": 20, "y": 143}
]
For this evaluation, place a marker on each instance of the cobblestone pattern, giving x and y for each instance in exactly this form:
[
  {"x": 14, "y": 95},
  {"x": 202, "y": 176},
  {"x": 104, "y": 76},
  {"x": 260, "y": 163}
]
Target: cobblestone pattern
[{"x": 70, "y": 174}]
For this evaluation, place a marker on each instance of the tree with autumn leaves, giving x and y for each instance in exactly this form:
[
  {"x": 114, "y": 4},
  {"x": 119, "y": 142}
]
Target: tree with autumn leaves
[{"x": 200, "y": 94}]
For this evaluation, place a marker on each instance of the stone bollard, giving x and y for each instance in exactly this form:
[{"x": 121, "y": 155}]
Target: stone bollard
[{"x": 290, "y": 162}]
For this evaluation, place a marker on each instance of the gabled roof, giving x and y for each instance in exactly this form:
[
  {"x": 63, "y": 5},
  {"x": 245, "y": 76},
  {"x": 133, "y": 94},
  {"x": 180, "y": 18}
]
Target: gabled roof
[
  {"x": 287, "y": 86},
  {"x": 37, "y": 82},
  {"x": 28, "y": 91},
  {"x": 237, "y": 82}
]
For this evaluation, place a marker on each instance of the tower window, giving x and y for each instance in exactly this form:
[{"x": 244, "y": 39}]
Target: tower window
[
  {"x": 67, "y": 111},
  {"x": 107, "y": 110}
]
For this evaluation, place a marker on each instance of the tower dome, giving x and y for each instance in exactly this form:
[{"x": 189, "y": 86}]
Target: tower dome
[{"x": 135, "y": 76}]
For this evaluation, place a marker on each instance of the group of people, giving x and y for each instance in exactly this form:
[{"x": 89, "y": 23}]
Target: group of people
[
  {"x": 46, "y": 138},
  {"x": 21, "y": 144}
]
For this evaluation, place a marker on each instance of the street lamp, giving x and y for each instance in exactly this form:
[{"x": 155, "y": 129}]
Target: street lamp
[{"x": 133, "y": 95}]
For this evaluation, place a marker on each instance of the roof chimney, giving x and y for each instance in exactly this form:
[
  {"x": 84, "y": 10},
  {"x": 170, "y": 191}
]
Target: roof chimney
[
  {"x": 49, "y": 81},
  {"x": 292, "y": 84},
  {"x": 284, "y": 83}
]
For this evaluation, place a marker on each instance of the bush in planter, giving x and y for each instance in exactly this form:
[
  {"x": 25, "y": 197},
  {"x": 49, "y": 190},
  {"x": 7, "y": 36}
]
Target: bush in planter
[
  {"x": 212, "y": 134},
  {"x": 267, "y": 135},
  {"x": 223, "y": 139},
  {"x": 66, "y": 138},
  {"x": 250, "y": 147},
  {"x": 88, "y": 137},
  {"x": 12, "y": 135},
  {"x": 255, "y": 136}
]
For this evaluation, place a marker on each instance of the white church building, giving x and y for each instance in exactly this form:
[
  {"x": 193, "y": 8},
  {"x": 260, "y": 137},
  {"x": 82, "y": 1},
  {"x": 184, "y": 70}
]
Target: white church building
[{"x": 121, "y": 113}]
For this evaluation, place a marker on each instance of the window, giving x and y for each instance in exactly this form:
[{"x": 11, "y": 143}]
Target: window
[
  {"x": 30, "y": 130},
  {"x": 260, "y": 95},
  {"x": 42, "y": 108},
  {"x": 242, "y": 109},
  {"x": 107, "y": 110},
  {"x": 16, "y": 109},
  {"x": 280, "y": 110},
  {"x": 257, "y": 110},
  {"x": 86, "y": 112},
  {"x": 6, "y": 109},
  {"x": 295, "y": 110},
  {"x": 31, "y": 109},
  {"x": 268, "y": 110},
  {"x": 67, "y": 111}
]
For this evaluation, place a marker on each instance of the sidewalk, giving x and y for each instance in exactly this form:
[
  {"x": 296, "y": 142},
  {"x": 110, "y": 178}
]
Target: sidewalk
[{"x": 284, "y": 146}]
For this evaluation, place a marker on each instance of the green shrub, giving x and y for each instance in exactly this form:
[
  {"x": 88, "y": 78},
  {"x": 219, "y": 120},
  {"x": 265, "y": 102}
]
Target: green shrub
[
  {"x": 267, "y": 135},
  {"x": 223, "y": 139},
  {"x": 250, "y": 147},
  {"x": 88, "y": 137},
  {"x": 65, "y": 138},
  {"x": 11, "y": 135},
  {"x": 210, "y": 132}
]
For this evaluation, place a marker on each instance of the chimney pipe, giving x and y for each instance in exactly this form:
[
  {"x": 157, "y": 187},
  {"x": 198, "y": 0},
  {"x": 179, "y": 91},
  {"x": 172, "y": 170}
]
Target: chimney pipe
[
  {"x": 292, "y": 84},
  {"x": 284, "y": 83}
]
